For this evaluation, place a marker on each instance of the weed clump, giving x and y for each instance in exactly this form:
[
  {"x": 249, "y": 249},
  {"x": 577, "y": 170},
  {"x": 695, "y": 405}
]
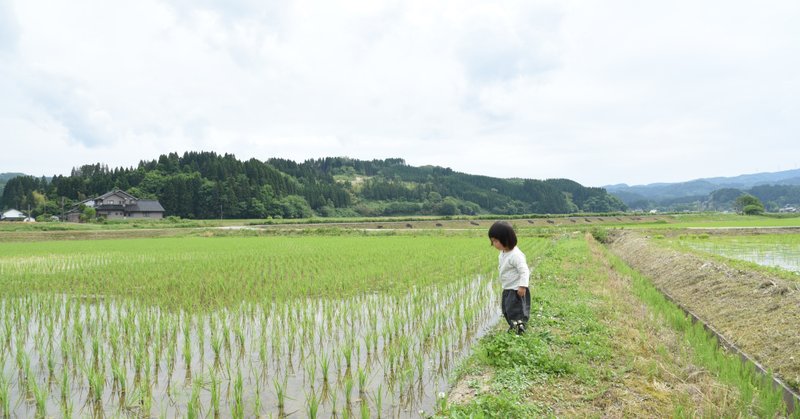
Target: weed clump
[{"x": 600, "y": 234}]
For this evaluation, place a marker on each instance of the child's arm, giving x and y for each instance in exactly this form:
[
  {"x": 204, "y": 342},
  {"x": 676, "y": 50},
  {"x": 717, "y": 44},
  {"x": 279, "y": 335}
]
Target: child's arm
[{"x": 525, "y": 275}]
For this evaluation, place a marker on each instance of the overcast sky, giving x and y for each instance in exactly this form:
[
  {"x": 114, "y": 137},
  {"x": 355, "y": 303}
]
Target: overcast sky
[{"x": 601, "y": 92}]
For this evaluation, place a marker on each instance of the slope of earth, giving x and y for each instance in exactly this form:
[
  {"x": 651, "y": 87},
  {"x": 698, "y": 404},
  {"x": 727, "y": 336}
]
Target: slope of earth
[{"x": 757, "y": 311}]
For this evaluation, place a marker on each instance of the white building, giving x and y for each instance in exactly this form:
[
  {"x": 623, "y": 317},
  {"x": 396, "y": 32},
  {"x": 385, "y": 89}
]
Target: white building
[{"x": 12, "y": 215}]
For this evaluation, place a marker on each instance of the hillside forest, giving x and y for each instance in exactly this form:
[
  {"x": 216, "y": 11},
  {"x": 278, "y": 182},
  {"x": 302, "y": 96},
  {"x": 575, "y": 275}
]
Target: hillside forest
[{"x": 205, "y": 185}]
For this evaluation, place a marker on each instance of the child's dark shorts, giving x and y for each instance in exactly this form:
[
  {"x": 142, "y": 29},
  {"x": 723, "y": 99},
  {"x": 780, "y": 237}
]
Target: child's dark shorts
[{"x": 516, "y": 308}]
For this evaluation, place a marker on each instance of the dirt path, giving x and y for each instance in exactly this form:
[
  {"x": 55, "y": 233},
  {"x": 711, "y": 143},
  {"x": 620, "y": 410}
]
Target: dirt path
[{"x": 759, "y": 313}]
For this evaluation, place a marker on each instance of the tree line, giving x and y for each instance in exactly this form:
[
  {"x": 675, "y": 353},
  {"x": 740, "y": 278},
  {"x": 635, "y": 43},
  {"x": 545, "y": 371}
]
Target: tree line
[{"x": 206, "y": 185}]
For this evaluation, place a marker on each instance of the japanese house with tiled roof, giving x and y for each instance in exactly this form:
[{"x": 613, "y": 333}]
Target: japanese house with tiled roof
[{"x": 118, "y": 204}]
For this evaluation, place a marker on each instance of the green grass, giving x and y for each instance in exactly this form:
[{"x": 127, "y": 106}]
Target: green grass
[
  {"x": 565, "y": 337},
  {"x": 584, "y": 342},
  {"x": 757, "y": 395}
]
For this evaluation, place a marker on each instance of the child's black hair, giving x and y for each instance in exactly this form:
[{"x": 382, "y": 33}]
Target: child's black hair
[{"x": 504, "y": 233}]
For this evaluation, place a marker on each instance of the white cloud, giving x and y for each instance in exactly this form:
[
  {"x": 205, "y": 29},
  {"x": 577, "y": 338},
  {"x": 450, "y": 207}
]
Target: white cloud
[{"x": 599, "y": 92}]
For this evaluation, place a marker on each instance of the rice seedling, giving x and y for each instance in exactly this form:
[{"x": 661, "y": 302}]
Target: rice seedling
[
  {"x": 280, "y": 392},
  {"x": 262, "y": 351},
  {"x": 40, "y": 396},
  {"x": 96, "y": 349},
  {"x": 362, "y": 380},
  {"x": 324, "y": 365},
  {"x": 257, "y": 407},
  {"x": 96, "y": 384},
  {"x": 65, "y": 385},
  {"x": 312, "y": 404},
  {"x": 348, "y": 388},
  {"x": 238, "y": 396},
  {"x": 193, "y": 406},
  {"x": 187, "y": 354},
  {"x": 378, "y": 397},
  {"x": 311, "y": 371},
  {"x": 216, "y": 346},
  {"x": 5, "y": 395},
  {"x": 215, "y": 384},
  {"x": 51, "y": 364},
  {"x": 118, "y": 376}
]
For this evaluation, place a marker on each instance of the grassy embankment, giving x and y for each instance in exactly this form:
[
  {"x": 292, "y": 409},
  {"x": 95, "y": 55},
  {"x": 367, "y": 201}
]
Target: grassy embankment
[
  {"x": 718, "y": 220},
  {"x": 602, "y": 341}
]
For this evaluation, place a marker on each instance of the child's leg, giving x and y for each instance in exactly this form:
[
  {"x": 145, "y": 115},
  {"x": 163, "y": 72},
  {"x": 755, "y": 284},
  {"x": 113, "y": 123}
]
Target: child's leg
[
  {"x": 507, "y": 301},
  {"x": 526, "y": 306},
  {"x": 516, "y": 309}
]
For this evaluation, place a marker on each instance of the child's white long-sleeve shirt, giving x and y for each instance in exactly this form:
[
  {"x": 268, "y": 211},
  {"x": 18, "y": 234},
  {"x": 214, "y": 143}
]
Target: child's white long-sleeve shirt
[{"x": 514, "y": 271}]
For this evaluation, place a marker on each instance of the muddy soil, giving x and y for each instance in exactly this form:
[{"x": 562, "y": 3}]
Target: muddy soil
[{"x": 758, "y": 312}]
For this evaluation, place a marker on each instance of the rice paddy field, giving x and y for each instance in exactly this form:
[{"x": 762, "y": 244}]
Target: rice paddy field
[
  {"x": 237, "y": 326},
  {"x": 330, "y": 322},
  {"x": 770, "y": 250}
]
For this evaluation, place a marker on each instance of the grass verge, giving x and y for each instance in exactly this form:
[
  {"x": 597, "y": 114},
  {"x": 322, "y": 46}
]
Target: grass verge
[{"x": 603, "y": 342}]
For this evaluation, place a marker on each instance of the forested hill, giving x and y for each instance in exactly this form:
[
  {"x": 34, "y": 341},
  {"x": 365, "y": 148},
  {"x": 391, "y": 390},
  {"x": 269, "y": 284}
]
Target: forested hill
[
  {"x": 4, "y": 177},
  {"x": 209, "y": 185}
]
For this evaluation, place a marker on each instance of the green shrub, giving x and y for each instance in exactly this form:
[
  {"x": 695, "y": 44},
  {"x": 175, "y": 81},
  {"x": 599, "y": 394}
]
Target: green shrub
[{"x": 600, "y": 234}]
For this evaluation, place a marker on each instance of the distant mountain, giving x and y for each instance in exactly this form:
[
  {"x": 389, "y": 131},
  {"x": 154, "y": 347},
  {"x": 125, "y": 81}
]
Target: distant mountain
[
  {"x": 5, "y": 177},
  {"x": 700, "y": 190},
  {"x": 786, "y": 177}
]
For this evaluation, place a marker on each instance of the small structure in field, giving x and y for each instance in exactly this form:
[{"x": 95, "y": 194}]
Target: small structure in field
[{"x": 12, "y": 215}]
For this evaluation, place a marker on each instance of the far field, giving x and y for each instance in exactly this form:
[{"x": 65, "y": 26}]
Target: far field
[{"x": 393, "y": 317}]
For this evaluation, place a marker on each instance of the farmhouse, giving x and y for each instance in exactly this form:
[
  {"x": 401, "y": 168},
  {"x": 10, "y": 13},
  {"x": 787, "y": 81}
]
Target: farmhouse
[
  {"x": 119, "y": 204},
  {"x": 12, "y": 215}
]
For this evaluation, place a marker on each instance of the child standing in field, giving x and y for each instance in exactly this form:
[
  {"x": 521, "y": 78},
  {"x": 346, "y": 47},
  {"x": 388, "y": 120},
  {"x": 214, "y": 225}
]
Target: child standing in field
[{"x": 514, "y": 276}]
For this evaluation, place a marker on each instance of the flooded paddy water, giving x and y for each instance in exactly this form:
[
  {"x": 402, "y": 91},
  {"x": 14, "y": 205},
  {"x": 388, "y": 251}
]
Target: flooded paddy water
[
  {"x": 780, "y": 251},
  {"x": 238, "y": 326},
  {"x": 372, "y": 355}
]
